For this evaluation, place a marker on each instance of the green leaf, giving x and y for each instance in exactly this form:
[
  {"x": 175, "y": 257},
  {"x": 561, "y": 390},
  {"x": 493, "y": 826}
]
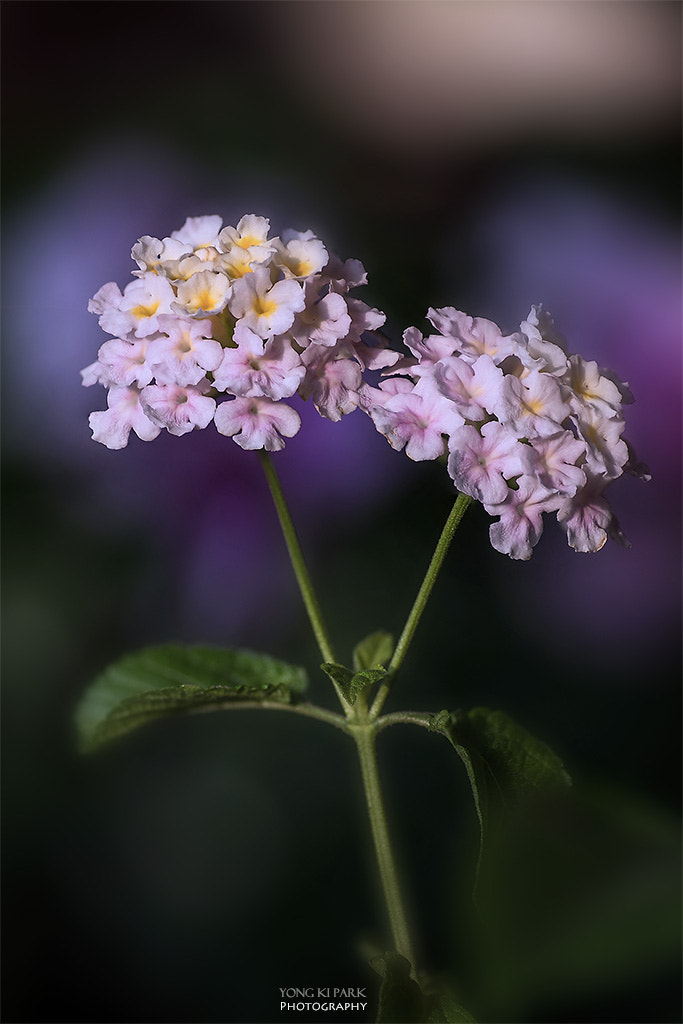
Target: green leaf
[
  {"x": 579, "y": 900},
  {"x": 352, "y": 683},
  {"x": 504, "y": 762},
  {"x": 520, "y": 763},
  {"x": 339, "y": 674},
  {"x": 400, "y": 997},
  {"x": 364, "y": 680},
  {"x": 374, "y": 651},
  {"x": 447, "y": 1011},
  {"x": 403, "y": 1001},
  {"x": 445, "y": 723},
  {"x": 161, "y": 681}
]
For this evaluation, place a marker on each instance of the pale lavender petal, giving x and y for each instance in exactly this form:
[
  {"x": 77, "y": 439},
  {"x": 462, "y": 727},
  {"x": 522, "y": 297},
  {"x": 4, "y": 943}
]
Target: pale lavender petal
[
  {"x": 178, "y": 409},
  {"x": 521, "y": 519},
  {"x": 556, "y": 464},
  {"x": 586, "y": 518},
  {"x": 480, "y": 464},
  {"x": 256, "y": 423},
  {"x": 125, "y": 413},
  {"x": 332, "y": 380}
]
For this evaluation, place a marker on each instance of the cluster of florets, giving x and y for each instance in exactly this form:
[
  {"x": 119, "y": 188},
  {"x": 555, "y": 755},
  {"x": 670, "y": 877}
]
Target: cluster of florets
[
  {"x": 223, "y": 323},
  {"x": 230, "y": 313},
  {"x": 526, "y": 428}
]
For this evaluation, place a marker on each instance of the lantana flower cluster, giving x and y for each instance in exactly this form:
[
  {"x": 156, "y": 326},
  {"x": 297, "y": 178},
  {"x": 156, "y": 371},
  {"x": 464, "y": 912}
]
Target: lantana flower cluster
[
  {"x": 527, "y": 429},
  {"x": 223, "y": 324}
]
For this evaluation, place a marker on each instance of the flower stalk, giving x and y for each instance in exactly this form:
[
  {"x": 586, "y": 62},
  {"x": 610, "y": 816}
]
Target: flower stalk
[
  {"x": 357, "y": 722},
  {"x": 364, "y": 724},
  {"x": 222, "y": 325},
  {"x": 297, "y": 558},
  {"x": 452, "y": 523}
]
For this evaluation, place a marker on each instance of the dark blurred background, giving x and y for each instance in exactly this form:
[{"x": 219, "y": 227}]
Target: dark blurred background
[{"x": 482, "y": 155}]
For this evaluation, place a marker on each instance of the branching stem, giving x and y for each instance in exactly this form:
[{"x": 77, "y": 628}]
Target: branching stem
[{"x": 362, "y": 724}]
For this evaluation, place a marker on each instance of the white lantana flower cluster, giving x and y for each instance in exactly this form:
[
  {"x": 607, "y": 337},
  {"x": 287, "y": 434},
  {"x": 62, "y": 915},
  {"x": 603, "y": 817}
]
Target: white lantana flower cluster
[
  {"x": 527, "y": 428},
  {"x": 231, "y": 313}
]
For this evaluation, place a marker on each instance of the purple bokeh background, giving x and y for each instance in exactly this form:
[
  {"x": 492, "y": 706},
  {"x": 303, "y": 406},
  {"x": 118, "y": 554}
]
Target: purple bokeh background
[
  {"x": 215, "y": 524},
  {"x": 487, "y": 156},
  {"x": 610, "y": 274}
]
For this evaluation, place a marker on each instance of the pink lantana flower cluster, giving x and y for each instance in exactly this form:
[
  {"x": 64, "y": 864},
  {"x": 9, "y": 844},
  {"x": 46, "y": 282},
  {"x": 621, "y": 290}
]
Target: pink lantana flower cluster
[
  {"x": 222, "y": 324},
  {"x": 526, "y": 428}
]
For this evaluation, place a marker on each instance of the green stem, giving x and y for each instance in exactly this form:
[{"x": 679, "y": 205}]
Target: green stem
[
  {"x": 447, "y": 534},
  {"x": 365, "y": 742},
  {"x": 297, "y": 558},
  {"x": 309, "y": 710},
  {"x": 421, "y": 718}
]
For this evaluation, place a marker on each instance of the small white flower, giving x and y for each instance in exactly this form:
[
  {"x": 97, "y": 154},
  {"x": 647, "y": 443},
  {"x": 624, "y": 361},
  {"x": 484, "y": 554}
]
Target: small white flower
[
  {"x": 124, "y": 413},
  {"x": 178, "y": 409},
  {"x": 265, "y": 308},
  {"x": 300, "y": 258},
  {"x": 237, "y": 262},
  {"x": 273, "y": 370},
  {"x": 586, "y": 386},
  {"x": 473, "y": 336},
  {"x": 606, "y": 451},
  {"x": 543, "y": 347},
  {"x": 250, "y": 235},
  {"x": 199, "y": 232},
  {"x": 121, "y": 363},
  {"x": 322, "y": 321},
  {"x": 332, "y": 380},
  {"x": 149, "y": 252},
  {"x": 204, "y": 293},
  {"x": 587, "y": 517},
  {"x": 543, "y": 430},
  {"x": 257, "y": 423},
  {"x": 418, "y": 420},
  {"x": 184, "y": 351},
  {"x": 520, "y": 525},
  {"x": 136, "y": 311},
  {"x": 229, "y": 309},
  {"x": 532, "y": 406},
  {"x": 474, "y": 388},
  {"x": 480, "y": 464}
]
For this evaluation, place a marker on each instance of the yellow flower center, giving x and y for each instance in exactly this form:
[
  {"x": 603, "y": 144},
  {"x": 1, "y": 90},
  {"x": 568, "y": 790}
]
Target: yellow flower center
[
  {"x": 264, "y": 306},
  {"x": 246, "y": 240},
  {"x": 301, "y": 268},
  {"x": 143, "y": 311},
  {"x": 203, "y": 300}
]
